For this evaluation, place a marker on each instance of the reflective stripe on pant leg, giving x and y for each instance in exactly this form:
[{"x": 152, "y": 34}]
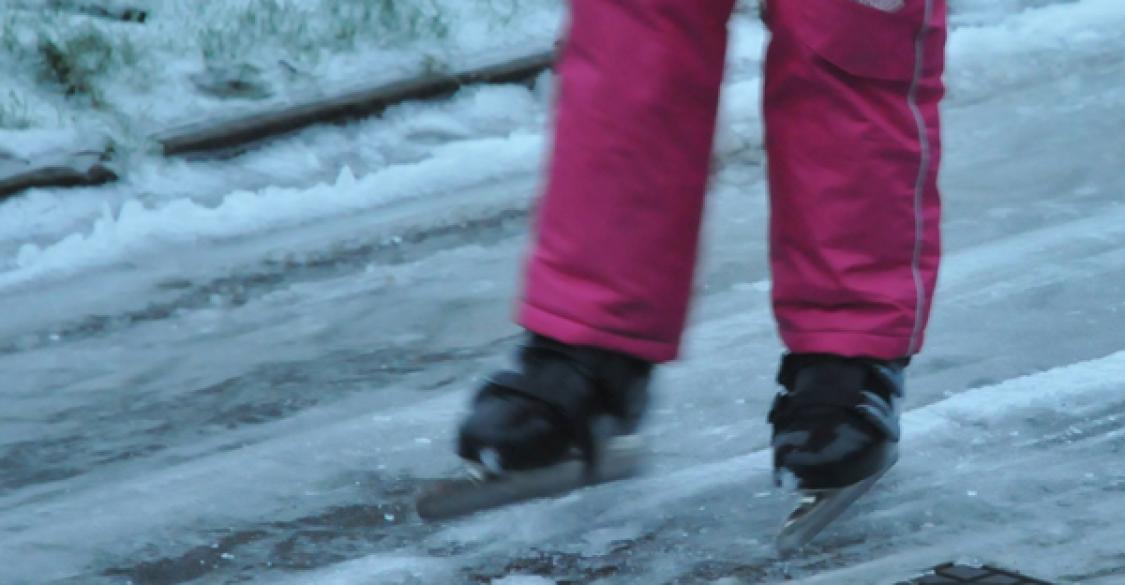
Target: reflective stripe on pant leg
[{"x": 854, "y": 225}]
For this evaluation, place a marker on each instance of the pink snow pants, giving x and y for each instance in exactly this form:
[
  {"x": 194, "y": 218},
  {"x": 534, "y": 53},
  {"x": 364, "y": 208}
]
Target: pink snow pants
[{"x": 850, "y": 101}]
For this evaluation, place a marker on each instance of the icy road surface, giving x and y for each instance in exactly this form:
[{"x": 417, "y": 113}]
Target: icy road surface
[{"x": 225, "y": 393}]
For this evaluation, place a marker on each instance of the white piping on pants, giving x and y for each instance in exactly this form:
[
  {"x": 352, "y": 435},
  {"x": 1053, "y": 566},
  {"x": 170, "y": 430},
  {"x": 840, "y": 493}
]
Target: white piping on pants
[
  {"x": 920, "y": 184},
  {"x": 884, "y": 5}
]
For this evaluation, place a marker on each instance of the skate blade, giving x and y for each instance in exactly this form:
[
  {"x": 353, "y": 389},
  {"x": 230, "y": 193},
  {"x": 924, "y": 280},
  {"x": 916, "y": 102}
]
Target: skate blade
[
  {"x": 816, "y": 510},
  {"x": 622, "y": 458}
]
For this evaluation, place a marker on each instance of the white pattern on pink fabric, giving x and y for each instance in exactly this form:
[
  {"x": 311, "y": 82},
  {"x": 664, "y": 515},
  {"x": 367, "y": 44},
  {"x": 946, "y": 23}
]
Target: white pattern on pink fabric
[{"x": 884, "y": 5}]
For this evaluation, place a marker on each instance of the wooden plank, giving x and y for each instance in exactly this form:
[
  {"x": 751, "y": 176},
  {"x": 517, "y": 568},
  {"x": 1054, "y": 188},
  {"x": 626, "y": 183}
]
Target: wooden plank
[
  {"x": 88, "y": 168},
  {"x": 81, "y": 168},
  {"x": 110, "y": 11},
  {"x": 231, "y": 133},
  {"x": 119, "y": 12}
]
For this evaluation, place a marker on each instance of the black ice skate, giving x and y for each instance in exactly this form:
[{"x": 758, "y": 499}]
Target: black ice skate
[
  {"x": 835, "y": 433},
  {"x": 565, "y": 418}
]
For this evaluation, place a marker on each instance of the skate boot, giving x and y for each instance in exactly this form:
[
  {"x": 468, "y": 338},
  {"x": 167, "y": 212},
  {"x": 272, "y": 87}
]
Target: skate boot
[
  {"x": 565, "y": 417},
  {"x": 561, "y": 401},
  {"x": 835, "y": 432}
]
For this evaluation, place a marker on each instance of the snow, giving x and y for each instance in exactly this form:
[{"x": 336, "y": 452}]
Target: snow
[
  {"x": 135, "y": 229},
  {"x": 1032, "y": 45},
  {"x": 37, "y": 142},
  {"x": 151, "y": 73},
  {"x": 239, "y": 371},
  {"x": 410, "y": 133}
]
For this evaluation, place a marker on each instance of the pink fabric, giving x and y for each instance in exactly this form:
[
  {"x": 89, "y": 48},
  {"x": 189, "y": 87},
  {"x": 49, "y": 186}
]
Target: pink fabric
[
  {"x": 618, "y": 226},
  {"x": 855, "y": 211}
]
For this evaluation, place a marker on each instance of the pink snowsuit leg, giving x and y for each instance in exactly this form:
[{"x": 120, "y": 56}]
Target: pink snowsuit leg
[
  {"x": 852, "y": 137},
  {"x": 854, "y": 240},
  {"x": 618, "y": 225}
]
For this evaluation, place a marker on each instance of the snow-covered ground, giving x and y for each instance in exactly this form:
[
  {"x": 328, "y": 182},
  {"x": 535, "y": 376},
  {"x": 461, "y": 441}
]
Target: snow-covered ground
[
  {"x": 239, "y": 371},
  {"x": 190, "y": 60}
]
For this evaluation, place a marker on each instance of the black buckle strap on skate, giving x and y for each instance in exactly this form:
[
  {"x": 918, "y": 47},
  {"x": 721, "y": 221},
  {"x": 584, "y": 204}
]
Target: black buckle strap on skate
[
  {"x": 539, "y": 347},
  {"x": 889, "y": 371},
  {"x": 577, "y": 385},
  {"x": 517, "y": 383},
  {"x": 881, "y": 414},
  {"x": 891, "y": 375},
  {"x": 833, "y": 386},
  {"x": 863, "y": 386}
]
